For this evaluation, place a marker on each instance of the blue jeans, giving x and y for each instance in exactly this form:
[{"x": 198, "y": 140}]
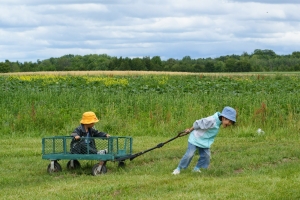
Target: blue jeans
[{"x": 203, "y": 161}]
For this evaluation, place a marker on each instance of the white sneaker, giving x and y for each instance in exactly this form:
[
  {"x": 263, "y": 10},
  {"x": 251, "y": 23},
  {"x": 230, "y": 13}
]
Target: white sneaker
[{"x": 176, "y": 171}]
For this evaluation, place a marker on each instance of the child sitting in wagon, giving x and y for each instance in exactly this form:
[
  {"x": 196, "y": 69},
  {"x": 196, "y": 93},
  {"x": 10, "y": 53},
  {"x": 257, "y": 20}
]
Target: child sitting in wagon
[{"x": 81, "y": 142}]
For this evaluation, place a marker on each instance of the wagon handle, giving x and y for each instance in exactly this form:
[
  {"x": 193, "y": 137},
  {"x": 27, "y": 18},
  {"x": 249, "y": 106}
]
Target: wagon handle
[
  {"x": 131, "y": 157},
  {"x": 180, "y": 134}
]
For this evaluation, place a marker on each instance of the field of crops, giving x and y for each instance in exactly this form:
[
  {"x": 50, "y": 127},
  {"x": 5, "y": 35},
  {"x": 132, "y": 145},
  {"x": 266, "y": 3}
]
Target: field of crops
[
  {"x": 39, "y": 105},
  {"x": 152, "y": 108}
]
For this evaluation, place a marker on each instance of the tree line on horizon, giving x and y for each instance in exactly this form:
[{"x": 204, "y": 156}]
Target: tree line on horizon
[{"x": 258, "y": 61}]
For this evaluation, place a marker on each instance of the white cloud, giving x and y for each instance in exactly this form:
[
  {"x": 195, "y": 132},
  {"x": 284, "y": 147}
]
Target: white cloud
[
  {"x": 31, "y": 30},
  {"x": 270, "y": 1}
]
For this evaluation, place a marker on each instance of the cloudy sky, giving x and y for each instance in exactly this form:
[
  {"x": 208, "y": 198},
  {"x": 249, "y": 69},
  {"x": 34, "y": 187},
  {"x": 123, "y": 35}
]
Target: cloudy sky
[{"x": 40, "y": 29}]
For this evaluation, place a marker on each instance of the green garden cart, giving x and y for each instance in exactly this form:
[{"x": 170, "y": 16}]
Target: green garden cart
[{"x": 93, "y": 148}]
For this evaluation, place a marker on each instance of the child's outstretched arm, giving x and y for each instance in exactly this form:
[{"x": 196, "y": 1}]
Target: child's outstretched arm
[{"x": 203, "y": 123}]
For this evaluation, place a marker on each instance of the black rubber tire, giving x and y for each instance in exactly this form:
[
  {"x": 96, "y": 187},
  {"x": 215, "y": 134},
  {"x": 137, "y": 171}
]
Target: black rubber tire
[
  {"x": 57, "y": 168},
  {"x": 95, "y": 172},
  {"x": 76, "y": 164}
]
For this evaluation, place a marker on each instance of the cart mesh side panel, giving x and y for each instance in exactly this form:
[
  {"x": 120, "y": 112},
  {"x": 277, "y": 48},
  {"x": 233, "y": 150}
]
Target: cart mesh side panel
[
  {"x": 121, "y": 146},
  {"x": 65, "y": 147},
  {"x": 89, "y": 146},
  {"x": 54, "y": 145}
]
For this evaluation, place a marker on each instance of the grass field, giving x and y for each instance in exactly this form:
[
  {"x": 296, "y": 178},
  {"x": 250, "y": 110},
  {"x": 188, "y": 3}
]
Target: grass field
[
  {"x": 153, "y": 108},
  {"x": 241, "y": 168}
]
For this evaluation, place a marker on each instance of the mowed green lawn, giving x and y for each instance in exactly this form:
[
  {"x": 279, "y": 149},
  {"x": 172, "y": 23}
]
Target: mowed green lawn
[
  {"x": 153, "y": 109},
  {"x": 241, "y": 168}
]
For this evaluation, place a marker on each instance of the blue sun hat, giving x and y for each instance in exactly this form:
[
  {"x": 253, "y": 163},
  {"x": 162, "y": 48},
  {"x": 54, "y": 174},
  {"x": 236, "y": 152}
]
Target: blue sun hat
[{"x": 229, "y": 113}]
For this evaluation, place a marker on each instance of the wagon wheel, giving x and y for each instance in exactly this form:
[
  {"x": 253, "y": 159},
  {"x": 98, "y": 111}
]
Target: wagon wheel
[
  {"x": 121, "y": 164},
  {"x": 57, "y": 167},
  {"x": 76, "y": 164},
  {"x": 99, "y": 169}
]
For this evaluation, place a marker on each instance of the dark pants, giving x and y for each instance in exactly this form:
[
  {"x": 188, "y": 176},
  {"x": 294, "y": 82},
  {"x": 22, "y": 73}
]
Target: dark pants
[{"x": 83, "y": 147}]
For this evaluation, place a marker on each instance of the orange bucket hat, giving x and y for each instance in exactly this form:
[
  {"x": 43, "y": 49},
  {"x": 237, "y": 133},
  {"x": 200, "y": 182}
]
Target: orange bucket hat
[{"x": 88, "y": 118}]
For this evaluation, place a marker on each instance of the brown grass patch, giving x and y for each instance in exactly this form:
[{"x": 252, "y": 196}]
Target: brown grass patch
[
  {"x": 79, "y": 73},
  {"x": 116, "y": 73},
  {"x": 124, "y": 73}
]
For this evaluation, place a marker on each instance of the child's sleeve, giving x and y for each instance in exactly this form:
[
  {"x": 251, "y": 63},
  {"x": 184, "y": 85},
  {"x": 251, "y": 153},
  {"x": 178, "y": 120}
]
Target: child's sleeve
[
  {"x": 75, "y": 133},
  {"x": 204, "y": 123},
  {"x": 99, "y": 133}
]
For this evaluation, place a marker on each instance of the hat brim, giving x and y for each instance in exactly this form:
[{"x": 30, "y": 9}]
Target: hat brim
[
  {"x": 228, "y": 117},
  {"x": 88, "y": 122}
]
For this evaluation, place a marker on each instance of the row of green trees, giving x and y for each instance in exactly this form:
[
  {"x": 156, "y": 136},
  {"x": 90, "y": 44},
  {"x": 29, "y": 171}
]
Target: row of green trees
[{"x": 258, "y": 61}]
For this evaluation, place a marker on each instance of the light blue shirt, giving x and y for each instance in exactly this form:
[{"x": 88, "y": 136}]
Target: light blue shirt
[{"x": 205, "y": 131}]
